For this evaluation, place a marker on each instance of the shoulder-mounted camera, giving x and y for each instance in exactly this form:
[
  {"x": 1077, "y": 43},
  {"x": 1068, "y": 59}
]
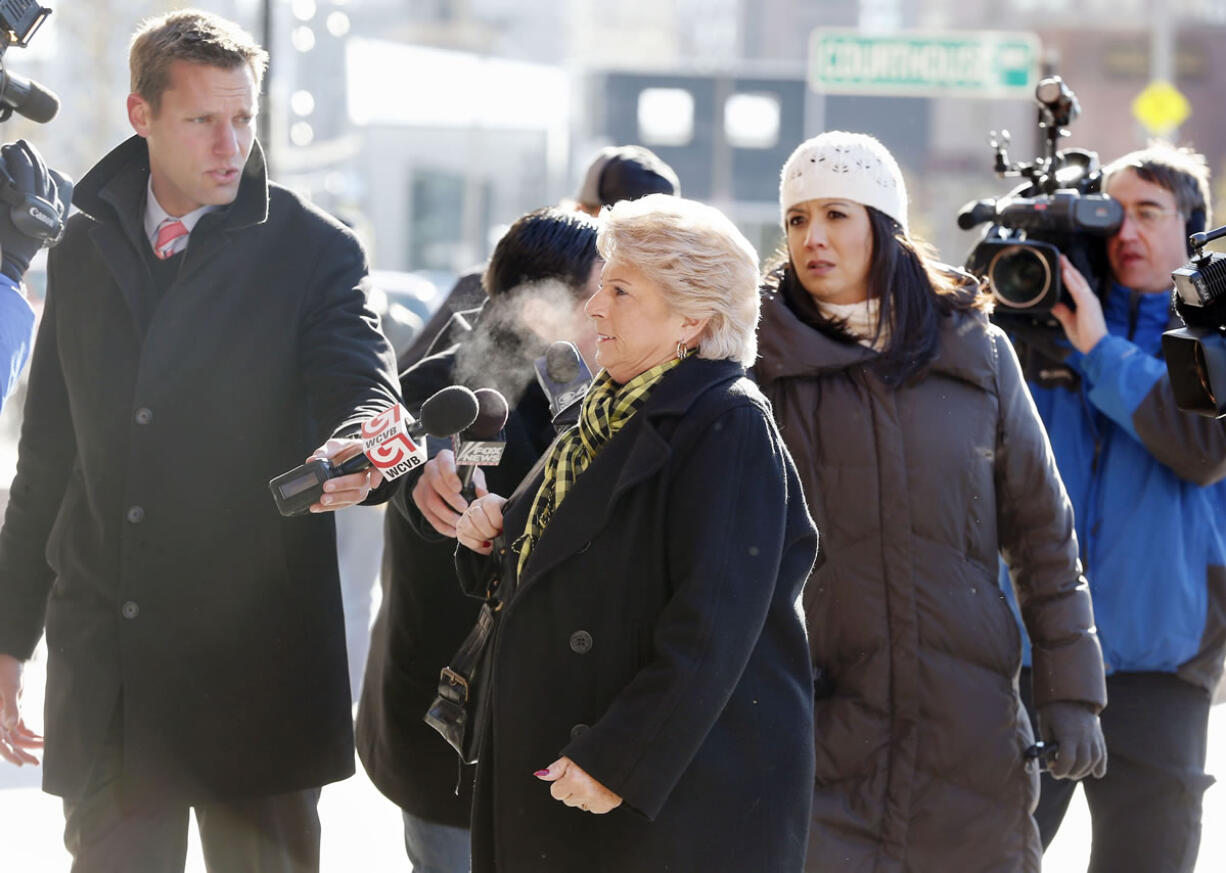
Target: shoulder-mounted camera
[
  {"x": 1196, "y": 354},
  {"x": 1058, "y": 209},
  {"x": 19, "y": 20}
]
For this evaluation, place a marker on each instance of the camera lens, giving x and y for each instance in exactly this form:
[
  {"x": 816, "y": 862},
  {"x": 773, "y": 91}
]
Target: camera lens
[
  {"x": 1203, "y": 371},
  {"x": 1020, "y": 276}
]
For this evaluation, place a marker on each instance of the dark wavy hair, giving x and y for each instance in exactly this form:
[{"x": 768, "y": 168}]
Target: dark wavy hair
[
  {"x": 547, "y": 243},
  {"x": 915, "y": 292},
  {"x": 1181, "y": 171}
]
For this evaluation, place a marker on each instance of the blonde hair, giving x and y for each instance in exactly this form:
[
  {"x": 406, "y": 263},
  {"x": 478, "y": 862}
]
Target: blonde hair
[
  {"x": 188, "y": 35},
  {"x": 705, "y": 266}
]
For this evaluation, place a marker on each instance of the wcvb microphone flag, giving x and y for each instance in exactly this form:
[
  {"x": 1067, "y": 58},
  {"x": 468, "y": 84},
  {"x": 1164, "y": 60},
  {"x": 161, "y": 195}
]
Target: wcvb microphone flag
[{"x": 386, "y": 441}]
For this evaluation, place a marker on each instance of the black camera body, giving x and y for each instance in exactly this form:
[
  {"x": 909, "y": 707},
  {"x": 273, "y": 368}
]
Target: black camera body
[
  {"x": 1059, "y": 209},
  {"x": 1019, "y": 255},
  {"x": 19, "y": 19},
  {"x": 1196, "y": 354}
]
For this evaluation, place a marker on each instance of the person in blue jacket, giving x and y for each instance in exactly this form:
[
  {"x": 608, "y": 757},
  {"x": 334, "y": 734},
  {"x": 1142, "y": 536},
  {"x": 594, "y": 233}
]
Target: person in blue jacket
[
  {"x": 16, "y": 327},
  {"x": 1146, "y": 484},
  {"x": 22, "y": 165}
]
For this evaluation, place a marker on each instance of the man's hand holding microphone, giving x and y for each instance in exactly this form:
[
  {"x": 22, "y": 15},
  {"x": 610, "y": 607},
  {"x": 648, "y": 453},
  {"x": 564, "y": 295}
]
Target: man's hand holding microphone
[
  {"x": 451, "y": 479},
  {"x": 343, "y": 471}
]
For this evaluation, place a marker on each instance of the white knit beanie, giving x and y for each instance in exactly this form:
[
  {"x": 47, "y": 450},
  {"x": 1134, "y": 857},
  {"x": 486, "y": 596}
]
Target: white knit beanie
[{"x": 852, "y": 166}]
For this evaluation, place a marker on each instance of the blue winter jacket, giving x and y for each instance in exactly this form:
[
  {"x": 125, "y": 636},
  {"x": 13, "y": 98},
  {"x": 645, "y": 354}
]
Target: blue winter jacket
[
  {"x": 16, "y": 327},
  {"x": 1146, "y": 484}
]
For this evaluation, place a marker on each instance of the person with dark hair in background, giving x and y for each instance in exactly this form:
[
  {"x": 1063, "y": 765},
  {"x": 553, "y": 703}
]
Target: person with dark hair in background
[
  {"x": 626, "y": 172},
  {"x": 21, "y": 163},
  {"x": 204, "y": 329},
  {"x": 616, "y": 173},
  {"x": 541, "y": 272},
  {"x": 922, "y": 461},
  {"x": 1147, "y": 486}
]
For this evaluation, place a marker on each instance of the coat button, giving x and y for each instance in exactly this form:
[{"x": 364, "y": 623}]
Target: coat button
[
  {"x": 130, "y": 609},
  {"x": 144, "y": 415},
  {"x": 581, "y": 642},
  {"x": 135, "y": 514},
  {"x": 577, "y": 731}
]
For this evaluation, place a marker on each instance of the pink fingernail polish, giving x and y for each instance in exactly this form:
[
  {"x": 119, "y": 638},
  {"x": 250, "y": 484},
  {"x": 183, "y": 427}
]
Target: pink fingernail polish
[{"x": 541, "y": 773}]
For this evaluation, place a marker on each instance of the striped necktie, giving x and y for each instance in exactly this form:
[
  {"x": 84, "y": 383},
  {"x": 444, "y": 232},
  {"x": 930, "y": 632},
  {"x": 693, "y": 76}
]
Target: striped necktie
[{"x": 171, "y": 238}]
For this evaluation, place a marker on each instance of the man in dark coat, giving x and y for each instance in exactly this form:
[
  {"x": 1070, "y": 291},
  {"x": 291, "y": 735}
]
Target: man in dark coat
[
  {"x": 422, "y": 620},
  {"x": 424, "y": 615},
  {"x": 204, "y": 331}
]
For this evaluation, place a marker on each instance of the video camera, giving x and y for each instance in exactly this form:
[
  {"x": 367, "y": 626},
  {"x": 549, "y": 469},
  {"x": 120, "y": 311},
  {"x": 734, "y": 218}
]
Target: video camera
[
  {"x": 19, "y": 19},
  {"x": 1058, "y": 209},
  {"x": 1196, "y": 354}
]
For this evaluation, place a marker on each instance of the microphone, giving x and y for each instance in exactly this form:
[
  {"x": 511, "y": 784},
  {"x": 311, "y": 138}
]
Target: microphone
[
  {"x": 18, "y": 94},
  {"x": 975, "y": 213},
  {"x": 565, "y": 379},
  {"x": 391, "y": 443},
  {"x": 482, "y": 443}
]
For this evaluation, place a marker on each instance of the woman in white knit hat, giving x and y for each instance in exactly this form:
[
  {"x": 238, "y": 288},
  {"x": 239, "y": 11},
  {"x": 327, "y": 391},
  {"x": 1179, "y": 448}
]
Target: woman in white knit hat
[{"x": 923, "y": 460}]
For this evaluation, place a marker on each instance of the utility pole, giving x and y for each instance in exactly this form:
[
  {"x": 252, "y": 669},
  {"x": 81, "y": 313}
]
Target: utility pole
[
  {"x": 1161, "y": 43},
  {"x": 264, "y": 119},
  {"x": 1162, "y": 54}
]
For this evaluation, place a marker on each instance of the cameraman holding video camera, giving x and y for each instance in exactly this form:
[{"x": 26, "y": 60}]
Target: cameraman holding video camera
[
  {"x": 1145, "y": 481},
  {"x": 23, "y": 167}
]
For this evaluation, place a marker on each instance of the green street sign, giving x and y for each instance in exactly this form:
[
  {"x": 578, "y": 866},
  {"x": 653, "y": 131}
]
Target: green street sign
[{"x": 969, "y": 63}]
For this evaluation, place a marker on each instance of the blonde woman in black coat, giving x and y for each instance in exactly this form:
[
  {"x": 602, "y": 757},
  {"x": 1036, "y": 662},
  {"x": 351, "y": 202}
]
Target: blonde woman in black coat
[{"x": 651, "y": 690}]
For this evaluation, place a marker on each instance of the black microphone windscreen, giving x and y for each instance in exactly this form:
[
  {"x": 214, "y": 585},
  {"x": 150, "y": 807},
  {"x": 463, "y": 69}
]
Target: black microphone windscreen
[
  {"x": 30, "y": 99},
  {"x": 562, "y": 362},
  {"x": 975, "y": 213},
  {"x": 449, "y": 411},
  {"x": 41, "y": 105},
  {"x": 491, "y": 417}
]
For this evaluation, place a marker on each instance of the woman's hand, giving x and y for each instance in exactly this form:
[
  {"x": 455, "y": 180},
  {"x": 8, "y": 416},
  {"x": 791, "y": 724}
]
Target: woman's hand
[
  {"x": 480, "y": 523},
  {"x": 574, "y": 787}
]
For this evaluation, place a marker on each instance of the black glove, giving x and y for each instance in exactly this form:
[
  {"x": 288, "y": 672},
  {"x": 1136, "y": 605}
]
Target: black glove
[
  {"x": 1075, "y": 730},
  {"x": 34, "y": 202}
]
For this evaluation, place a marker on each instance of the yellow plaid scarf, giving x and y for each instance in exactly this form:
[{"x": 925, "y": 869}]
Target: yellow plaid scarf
[{"x": 606, "y": 409}]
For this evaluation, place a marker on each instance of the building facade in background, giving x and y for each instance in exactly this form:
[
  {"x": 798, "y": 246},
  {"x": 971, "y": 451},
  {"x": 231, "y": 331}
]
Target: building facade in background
[{"x": 429, "y": 125}]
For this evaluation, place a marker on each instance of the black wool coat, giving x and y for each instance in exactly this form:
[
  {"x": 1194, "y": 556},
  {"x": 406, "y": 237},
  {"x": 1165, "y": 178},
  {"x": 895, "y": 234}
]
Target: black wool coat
[
  {"x": 423, "y": 618},
  {"x": 656, "y": 639},
  {"x": 140, "y": 524}
]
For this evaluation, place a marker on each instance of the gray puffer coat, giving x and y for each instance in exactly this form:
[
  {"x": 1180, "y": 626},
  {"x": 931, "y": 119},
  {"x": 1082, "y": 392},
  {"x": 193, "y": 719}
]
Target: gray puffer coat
[{"x": 917, "y": 490}]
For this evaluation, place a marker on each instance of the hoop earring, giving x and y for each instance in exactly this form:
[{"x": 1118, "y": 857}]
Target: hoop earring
[{"x": 682, "y": 350}]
